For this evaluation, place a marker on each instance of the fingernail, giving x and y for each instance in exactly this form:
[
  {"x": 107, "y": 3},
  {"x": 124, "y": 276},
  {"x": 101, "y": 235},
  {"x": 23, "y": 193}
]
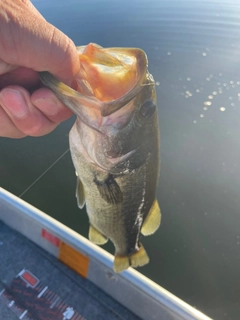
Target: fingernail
[
  {"x": 48, "y": 105},
  {"x": 14, "y": 102}
]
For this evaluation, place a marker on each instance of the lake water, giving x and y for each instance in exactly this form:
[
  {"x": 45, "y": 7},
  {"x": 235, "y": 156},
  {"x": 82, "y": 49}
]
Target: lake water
[{"x": 193, "y": 51}]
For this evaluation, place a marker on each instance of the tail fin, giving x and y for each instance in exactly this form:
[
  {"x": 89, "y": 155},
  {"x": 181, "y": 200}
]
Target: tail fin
[{"x": 137, "y": 259}]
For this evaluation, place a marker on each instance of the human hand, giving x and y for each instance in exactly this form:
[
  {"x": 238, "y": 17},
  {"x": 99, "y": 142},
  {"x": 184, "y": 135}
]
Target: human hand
[{"x": 30, "y": 44}]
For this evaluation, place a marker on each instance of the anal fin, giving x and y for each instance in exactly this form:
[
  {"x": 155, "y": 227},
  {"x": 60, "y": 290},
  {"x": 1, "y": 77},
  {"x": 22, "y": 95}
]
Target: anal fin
[
  {"x": 137, "y": 259},
  {"x": 96, "y": 237},
  {"x": 152, "y": 221},
  {"x": 80, "y": 194},
  {"x": 109, "y": 189}
]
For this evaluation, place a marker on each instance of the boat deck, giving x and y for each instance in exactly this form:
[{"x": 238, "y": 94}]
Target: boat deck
[{"x": 36, "y": 285}]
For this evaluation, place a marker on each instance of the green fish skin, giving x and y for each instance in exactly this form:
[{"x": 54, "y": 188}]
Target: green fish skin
[{"x": 115, "y": 145}]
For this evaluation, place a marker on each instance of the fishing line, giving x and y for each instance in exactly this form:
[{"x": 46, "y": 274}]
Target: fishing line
[{"x": 34, "y": 182}]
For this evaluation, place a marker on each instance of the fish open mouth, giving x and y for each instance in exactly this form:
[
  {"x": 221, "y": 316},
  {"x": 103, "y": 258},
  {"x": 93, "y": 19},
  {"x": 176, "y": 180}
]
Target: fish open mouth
[
  {"x": 108, "y": 79},
  {"x": 109, "y": 73}
]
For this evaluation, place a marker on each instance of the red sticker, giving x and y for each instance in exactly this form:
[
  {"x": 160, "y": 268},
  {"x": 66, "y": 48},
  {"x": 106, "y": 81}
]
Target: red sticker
[
  {"x": 51, "y": 238},
  {"x": 29, "y": 278}
]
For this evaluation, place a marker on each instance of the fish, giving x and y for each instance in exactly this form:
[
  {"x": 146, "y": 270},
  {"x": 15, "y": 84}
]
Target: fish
[{"x": 115, "y": 147}]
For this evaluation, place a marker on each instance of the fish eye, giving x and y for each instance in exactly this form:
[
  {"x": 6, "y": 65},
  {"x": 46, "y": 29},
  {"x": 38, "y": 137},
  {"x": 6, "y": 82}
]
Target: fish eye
[{"x": 148, "y": 108}]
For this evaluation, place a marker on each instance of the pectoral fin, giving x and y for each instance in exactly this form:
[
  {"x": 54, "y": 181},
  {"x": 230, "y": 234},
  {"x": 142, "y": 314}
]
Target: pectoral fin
[
  {"x": 152, "y": 221},
  {"x": 137, "y": 259},
  {"x": 109, "y": 189},
  {"x": 96, "y": 237},
  {"x": 80, "y": 194}
]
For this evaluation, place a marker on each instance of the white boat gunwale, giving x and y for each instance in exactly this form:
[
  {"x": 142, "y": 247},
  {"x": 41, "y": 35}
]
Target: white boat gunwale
[{"x": 130, "y": 288}]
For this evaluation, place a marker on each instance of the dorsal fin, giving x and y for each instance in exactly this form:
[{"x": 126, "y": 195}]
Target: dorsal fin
[{"x": 152, "y": 221}]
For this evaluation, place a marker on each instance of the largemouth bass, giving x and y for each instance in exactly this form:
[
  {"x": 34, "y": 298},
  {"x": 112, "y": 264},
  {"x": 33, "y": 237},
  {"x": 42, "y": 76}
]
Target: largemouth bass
[{"x": 114, "y": 145}]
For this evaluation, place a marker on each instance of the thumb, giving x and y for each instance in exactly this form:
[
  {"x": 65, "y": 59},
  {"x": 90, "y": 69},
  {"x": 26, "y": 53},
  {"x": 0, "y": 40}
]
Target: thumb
[{"x": 28, "y": 40}]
